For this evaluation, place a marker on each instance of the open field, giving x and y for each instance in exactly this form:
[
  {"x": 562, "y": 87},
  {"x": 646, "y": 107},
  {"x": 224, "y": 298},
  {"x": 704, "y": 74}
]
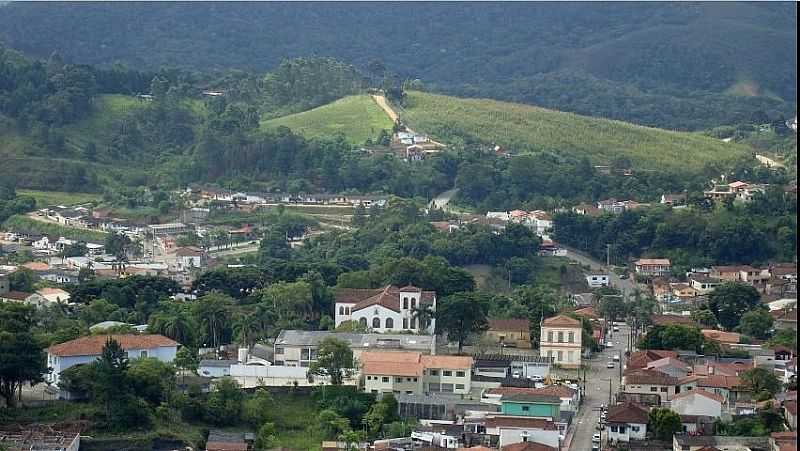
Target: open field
[
  {"x": 23, "y": 223},
  {"x": 47, "y": 198},
  {"x": 528, "y": 129},
  {"x": 356, "y": 117}
]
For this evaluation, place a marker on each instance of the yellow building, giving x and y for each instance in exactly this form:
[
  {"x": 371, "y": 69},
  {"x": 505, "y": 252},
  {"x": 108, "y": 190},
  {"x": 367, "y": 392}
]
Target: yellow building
[{"x": 510, "y": 332}]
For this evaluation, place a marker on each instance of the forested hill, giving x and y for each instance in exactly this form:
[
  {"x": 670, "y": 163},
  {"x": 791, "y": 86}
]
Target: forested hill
[{"x": 670, "y": 65}]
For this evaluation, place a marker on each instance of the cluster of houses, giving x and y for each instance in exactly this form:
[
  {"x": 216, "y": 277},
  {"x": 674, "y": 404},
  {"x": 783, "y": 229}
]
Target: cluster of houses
[
  {"x": 734, "y": 191},
  {"x": 200, "y": 197}
]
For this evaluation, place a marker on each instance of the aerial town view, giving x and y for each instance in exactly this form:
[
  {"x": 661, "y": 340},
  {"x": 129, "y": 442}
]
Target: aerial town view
[{"x": 397, "y": 226}]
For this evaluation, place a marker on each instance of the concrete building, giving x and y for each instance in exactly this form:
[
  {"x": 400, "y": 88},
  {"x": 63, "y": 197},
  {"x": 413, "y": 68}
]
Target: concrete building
[
  {"x": 626, "y": 422},
  {"x": 653, "y": 267},
  {"x": 561, "y": 341},
  {"x": 698, "y": 402},
  {"x": 415, "y": 373},
  {"x": 388, "y": 309},
  {"x": 88, "y": 349},
  {"x": 510, "y": 332},
  {"x": 299, "y": 347}
]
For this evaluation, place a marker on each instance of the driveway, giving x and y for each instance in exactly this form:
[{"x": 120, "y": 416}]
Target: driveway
[{"x": 597, "y": 378}]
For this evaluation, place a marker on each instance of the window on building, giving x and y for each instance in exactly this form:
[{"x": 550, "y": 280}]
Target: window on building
[
  {"x": 414, "y": 379},
  {"x": 653, "y": 388},
  {"x": 447, "y": 388},
  {"x": 622, "y": 429},
  {"x": 409, "y": 392},
  {"x": 405, "y": 323},
  {"x": 413, "y": 303},
  {"x": 433, "y": 372},
  {"x": 279, "y": 351},
  {"x": 550, "y": 337},
  {"x": 375, "y": 391},
  {"x": 447, "y": 373},
  {"x": 613, "y": 429},
  {"x": 664, "y": 389},
  {"x": 376, "y": 323},
  {"x": 560, "y": 356},
  {"x": 363, "y": 322},
  {"x": 143, "y": 354},
  {"x": 636, "y": 429},
  {"x": 459, "y": 386},
  {"x": 550, "y": 354},
  {"x": 434, "y": 387},
  {"x": 413, "y": 323},
  {"x": 460, "y": 374},
  {"x": 389, "y": 323},
  {"x": 347, "y": 311},
  {"x": 405, "y": 303},
  {"x": 526, "y": 408},
  {"x": 398, "y": 379},
  {"x": 570, "y": 356},
  {"x": 561, "y": 337},
  {"x": 384, "y": 379},
  {"x": 571, "y": 337}
]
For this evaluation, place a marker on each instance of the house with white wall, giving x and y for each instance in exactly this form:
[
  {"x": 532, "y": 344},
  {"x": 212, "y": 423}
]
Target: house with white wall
[
  {"x": 561, "y": 341},
  {"x": 388, "y": 309},
  {"x": 413, "y": 373},
  {"x": 626, "y": 422},
  {"x": 88, "y": 349},
  {"x": 698, "y": 402}
]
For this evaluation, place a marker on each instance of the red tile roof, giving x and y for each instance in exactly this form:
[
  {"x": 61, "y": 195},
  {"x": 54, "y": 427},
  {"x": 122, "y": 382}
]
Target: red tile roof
[
  {"x": 627, "y": 413},
  {"x": 504, "y": 421},
  {"x": 516, "y": 325},
  {"x": 93, "y": 345},
  {"x": 587, "y": 312},
  {"x": 721, "y": 337},
  {"x": 354, "y": 295},
  {"x": 388, "y": 296},
  {"x": 640, "y": 359},
  {"x": 562, "y": 321},
  {"x": 665, "y": 320},
  {"x": 649, "y": 377},
  {"x": 409, "y": 363},
  {"x": 716, "y": 381},
  {"x": 15, "y": 295}
]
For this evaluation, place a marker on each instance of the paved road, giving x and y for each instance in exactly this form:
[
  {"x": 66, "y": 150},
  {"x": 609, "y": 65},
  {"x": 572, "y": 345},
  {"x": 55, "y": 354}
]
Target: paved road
[
  {"x": 626, "y": 285},
  {"x": 769, "y": 162},
  {"x": 597, "y": 377}
]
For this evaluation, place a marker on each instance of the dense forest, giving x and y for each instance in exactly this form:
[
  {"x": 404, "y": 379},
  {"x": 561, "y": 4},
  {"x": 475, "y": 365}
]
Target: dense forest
[{"x": 672, "y": 65}]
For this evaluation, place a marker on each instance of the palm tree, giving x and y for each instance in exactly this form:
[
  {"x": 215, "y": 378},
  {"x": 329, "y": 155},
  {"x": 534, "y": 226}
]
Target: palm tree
[
  {"x": 249, "y": 328},
  {"x": 423, "y": 314}
]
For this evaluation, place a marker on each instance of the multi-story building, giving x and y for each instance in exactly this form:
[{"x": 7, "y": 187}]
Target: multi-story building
[
  {"x": 653, "y": 267},
  {"x": 388, "y": 309},
  {"x": 413, "y": 373},
  {"x": 299, "y": 347},
  {"x": 510, "y": 332},
  {"x": 650, "y": 382},
  {"x": 561, "y": 341}
]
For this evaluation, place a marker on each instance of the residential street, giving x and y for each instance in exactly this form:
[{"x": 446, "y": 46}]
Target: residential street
[
  {"x": 626, "y": 285},
  {"x": 597, "y": 377}
]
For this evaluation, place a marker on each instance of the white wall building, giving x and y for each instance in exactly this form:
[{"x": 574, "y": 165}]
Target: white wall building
[
  {"x": 87, "y": 349},
  {"x": 561, "y": 341},
  {"x": 698, "y": 402},
  {"x": 412, "y": 373},
  {"x": 626, "y": 422},
  {"x": 597, "y": 280},
  {"x": 388, "y": 309}
]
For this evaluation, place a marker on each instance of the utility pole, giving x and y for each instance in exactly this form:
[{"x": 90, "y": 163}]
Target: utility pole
[
  {"x": 609, "y": 392},
  {"x": 608, "y": 254}
]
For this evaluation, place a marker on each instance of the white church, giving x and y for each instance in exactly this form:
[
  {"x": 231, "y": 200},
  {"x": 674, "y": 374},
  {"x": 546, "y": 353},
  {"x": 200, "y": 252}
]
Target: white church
[{"x": 388, "y": 309}]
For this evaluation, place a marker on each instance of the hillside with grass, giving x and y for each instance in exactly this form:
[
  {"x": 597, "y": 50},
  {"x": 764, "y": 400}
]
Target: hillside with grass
[
  {"x": 528, "y": 129},
  {"x": 356, "y": 117}
]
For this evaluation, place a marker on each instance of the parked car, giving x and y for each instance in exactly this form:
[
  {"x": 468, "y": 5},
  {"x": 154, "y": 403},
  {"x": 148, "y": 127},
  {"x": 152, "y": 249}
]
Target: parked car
[
  {"x": 596, "y": 438},
  {"x": 616, "y": 357},
  {"x": 537, "y": 378},
  {"x": 616, "y": 329},
  {"x": 610, "y": 365}
]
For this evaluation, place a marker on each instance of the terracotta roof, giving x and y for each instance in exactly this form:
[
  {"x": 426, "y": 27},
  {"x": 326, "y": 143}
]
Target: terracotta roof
[
  {"x": 527, "y": 446},
  {"x": 561, "y": 391},
  {"x": 410, "y": 288},
  {"x": 561, "y": 321},
  {"x": 721, "y": 337},
  {"x": 716, "y": 381},
  {"x": 510, "y": 324},
  {"x": 442, "y": 226},
  {"x": 531, "y": 397},
  {"x": 587, "y": 312},
  {"x": 627, "y": 413},
  {"x": 640, "y": 359},
  {"x": 354, "y": 295},
  {"x": 189, "y": 251},
  {"x": 722, "y": 369},
  {"x": 93, "y": 345},
  {"x": 732, "y": 268},
  {"x": 649, "y": 377},
  {"x": 668, "y": 362},
  {"x": 652, "y": 261},
  {"x": 392, "y": 369},
  {"x": 445, "y": 361},
  {"x": 49, "y": 291},
  {"x": 504, "y": 421},
  {"x": 409, "y": 363},
  {"x": 700, "y": 392},
  {"x": 16, "y": 295}
]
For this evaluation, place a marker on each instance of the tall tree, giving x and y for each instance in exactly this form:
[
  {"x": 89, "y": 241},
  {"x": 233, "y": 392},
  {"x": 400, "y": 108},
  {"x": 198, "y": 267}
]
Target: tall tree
[
  {"x": 461, "y": 315},
  {"x": 730, "y": 301},
  {"x": 663, "y": 424},
  {"x": 335, "y": 360},
  {"x": 22, "y": 359},
  {"x": 213, "y": 313},
  {"x": 761, "y": 382},
  {"x": 756, "y": 323}
]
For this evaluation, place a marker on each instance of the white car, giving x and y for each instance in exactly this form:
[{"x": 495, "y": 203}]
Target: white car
[
  {"x": 596, "y": 438},
  {"x": 616, "y": 329},
  {"x": 537, "y": 378},
  {"x": 609, "y": 344},
  {"x": 616, "y": 357},
  {"x": 610, "y": 365}
]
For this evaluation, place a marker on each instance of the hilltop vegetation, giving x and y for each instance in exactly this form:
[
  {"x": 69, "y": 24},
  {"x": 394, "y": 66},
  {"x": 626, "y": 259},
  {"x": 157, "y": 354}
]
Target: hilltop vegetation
[
  {"x": 670, "y": 65},
  {"x": 357, "y": 118},
  {"x": 527, "y": 129}
]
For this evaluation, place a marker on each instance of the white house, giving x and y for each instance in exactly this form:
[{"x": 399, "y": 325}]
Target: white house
[
  {"x": 413, "y": 373},
  {"x": 87, "y": 349},
  {"x": 388, "y": 309},
  {"x": 514, "y": 429},
  {"x": 561, "y": 341},
  {"x": 597, "y": 280},
  {"x": 626, "y": 422},
  {"x": 53, "y": 295},
  {"x": 215, "y": 368},
  {"x": 540, "y": 221},
  {"x": 188, "y": 258},
  {"x": 698, "y": 402}
]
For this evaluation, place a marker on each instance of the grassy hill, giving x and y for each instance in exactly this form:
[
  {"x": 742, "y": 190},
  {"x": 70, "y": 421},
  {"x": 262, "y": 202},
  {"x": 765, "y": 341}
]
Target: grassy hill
[
  {"x": 528, "y": 129},
  {"x": 664, "y": 64},
  {"x": 356, "y": 117}
]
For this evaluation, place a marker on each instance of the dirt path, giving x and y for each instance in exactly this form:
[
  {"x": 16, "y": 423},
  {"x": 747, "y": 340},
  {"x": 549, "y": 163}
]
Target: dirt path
[
  {"x": 769, "y": 162},
  {"x": 384, "y": 104}
]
